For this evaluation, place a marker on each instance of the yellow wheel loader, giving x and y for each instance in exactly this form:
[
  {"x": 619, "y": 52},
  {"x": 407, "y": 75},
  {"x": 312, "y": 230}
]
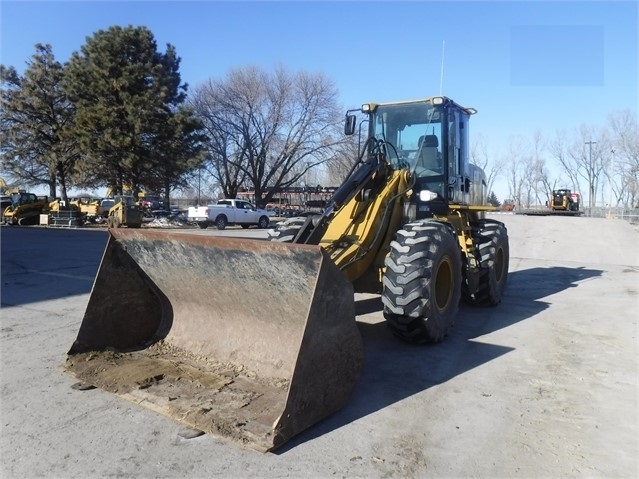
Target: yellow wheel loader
[{"x": 255, "y": 341}]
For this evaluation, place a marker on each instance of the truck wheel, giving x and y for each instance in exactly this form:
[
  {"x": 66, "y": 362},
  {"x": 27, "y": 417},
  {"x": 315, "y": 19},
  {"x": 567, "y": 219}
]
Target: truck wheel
[
  {"x": 285, "y": 231},
  {"x": 491, "y": 240},
  {"x": 263, "y": 222},
  {"x": 221, "y": 222},
  {"x": 203, "y": 224},
  {"x": 421, "y": 287}
]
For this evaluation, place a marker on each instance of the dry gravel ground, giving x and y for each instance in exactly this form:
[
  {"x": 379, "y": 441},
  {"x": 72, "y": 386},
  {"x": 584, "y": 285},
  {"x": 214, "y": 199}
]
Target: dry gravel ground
[{"x": 544, "y": 385}]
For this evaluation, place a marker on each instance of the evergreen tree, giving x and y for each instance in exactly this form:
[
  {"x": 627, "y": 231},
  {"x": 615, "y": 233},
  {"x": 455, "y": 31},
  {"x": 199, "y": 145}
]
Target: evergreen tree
[
  {"x": 493, "y": 200},
  {"x": 36, "y": 119},
  {"x": 131, "y": 123}
]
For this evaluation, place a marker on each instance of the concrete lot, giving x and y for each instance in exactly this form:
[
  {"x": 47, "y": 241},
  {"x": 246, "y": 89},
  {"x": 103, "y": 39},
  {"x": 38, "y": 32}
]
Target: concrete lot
[{"x": 544, "y": 385}]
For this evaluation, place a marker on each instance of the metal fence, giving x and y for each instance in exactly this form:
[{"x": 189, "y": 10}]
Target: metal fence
[{"x": 628, "y": 214}]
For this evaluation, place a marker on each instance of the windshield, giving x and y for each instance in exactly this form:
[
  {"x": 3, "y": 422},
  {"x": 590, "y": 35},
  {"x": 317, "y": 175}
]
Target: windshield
[{"x": 413, "y": 133}]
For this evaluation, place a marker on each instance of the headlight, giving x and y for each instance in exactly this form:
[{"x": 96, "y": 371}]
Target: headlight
[{"x": 427, "y": 195}]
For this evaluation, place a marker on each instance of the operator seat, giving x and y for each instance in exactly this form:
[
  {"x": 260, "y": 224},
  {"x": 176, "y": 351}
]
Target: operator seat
[{"x": 428, "y": 154}]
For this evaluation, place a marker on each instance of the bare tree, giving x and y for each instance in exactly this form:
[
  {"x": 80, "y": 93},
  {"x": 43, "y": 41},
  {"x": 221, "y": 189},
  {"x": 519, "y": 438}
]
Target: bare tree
[
  {"x": 558, "y": 149},
  {"x": 267, "y": 130},
  {"x": 541, "y": 181},
  {"x": 588, "y": 156},
  {"x": 480, "y": 156},
  {"x": 623, "y": 170},
  {"x": 515, "y": 170},
  {"x": 345, "y": 157}
]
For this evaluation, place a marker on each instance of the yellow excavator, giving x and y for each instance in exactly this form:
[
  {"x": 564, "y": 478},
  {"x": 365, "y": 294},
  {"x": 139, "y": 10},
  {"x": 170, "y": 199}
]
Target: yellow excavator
[{"x": 255, "y": 341}]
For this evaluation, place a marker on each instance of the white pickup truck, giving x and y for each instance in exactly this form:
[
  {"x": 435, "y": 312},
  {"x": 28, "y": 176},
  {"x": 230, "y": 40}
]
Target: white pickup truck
[{"x": 229, "y": 212}]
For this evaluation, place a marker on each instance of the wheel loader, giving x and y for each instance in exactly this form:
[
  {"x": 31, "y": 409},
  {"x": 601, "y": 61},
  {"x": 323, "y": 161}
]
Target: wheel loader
[{"x": 255, "y": 341}]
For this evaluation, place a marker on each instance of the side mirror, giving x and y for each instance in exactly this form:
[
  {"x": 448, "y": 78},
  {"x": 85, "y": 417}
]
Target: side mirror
[{"x": 349, "y": 124}]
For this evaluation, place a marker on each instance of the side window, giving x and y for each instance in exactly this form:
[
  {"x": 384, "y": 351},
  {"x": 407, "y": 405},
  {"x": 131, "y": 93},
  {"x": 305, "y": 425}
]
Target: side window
[{"x": 453, "y": 144}]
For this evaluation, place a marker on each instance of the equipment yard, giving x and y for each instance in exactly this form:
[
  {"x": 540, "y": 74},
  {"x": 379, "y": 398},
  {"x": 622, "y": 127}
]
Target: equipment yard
[{"x": 543, "y": 385}]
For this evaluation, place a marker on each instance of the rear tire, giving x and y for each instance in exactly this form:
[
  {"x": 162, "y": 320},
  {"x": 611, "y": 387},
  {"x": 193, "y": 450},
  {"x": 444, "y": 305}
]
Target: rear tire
[
  {"x": 491, "y": 241},
  {"x": 203, "y": 225},
  {"x": 422, "y": 282},
  {"x": 221, "y": 222},
  {"x": 285, "y": 231}
]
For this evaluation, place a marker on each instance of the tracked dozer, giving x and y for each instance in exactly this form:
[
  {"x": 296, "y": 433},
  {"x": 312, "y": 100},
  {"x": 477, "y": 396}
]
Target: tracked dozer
[{"x": 254, "y": 341}]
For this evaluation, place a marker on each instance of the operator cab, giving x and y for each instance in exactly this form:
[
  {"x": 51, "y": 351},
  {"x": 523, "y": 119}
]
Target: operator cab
[{"x": 430, "y": 138}]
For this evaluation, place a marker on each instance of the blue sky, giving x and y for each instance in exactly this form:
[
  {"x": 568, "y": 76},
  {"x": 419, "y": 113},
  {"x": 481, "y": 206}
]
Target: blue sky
[{"x": 524, "y": 65}]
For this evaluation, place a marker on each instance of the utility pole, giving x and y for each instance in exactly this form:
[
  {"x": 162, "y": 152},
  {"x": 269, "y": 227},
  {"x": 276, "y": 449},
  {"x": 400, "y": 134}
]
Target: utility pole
[
  {"x": 591, "y": 174},
  {"x": 610, "y": 176},
  {"x": 199, "y": 180}
]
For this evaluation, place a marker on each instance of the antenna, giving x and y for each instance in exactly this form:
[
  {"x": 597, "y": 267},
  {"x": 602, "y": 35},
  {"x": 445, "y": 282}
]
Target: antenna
[{"x": 441, "y": 78}]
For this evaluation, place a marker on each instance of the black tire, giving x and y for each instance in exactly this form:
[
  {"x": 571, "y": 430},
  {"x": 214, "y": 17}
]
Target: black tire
[
  {"x": 203, "y": 224},
  {"x": 245, "y": 227},
  {"x": 28, "y": 221},
  {"x": 263, "y": 222},
  {"x": 285, "y": 231},
  {"x": 221, "y": 222},
  {"x": 491, "y": 241},
  {"x": 421, "y": 288}
]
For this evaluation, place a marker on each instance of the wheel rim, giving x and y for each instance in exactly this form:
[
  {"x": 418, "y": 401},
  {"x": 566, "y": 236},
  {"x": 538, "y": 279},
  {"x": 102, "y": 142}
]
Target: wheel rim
[{"x": 443, "y": 284}]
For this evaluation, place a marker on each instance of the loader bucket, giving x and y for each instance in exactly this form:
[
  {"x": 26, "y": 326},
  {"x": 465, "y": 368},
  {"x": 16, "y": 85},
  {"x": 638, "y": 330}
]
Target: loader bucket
[{"x": 251, "y": 341}]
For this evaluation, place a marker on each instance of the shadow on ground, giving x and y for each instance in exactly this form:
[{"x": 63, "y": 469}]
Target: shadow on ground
[
  {"x": 40, "y": 264},
  {"x": 389, "y": 374}
]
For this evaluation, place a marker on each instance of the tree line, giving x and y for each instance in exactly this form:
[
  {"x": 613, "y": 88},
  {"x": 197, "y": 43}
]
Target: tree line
[
  {"x": 599, "y": 162},
  {"x": 117, "y": 115}
]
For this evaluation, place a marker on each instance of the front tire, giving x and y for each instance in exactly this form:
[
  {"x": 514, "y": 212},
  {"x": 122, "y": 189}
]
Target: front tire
[
  {"x": 422, "y": 282},
  {"x": 491, "y": 241}
]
